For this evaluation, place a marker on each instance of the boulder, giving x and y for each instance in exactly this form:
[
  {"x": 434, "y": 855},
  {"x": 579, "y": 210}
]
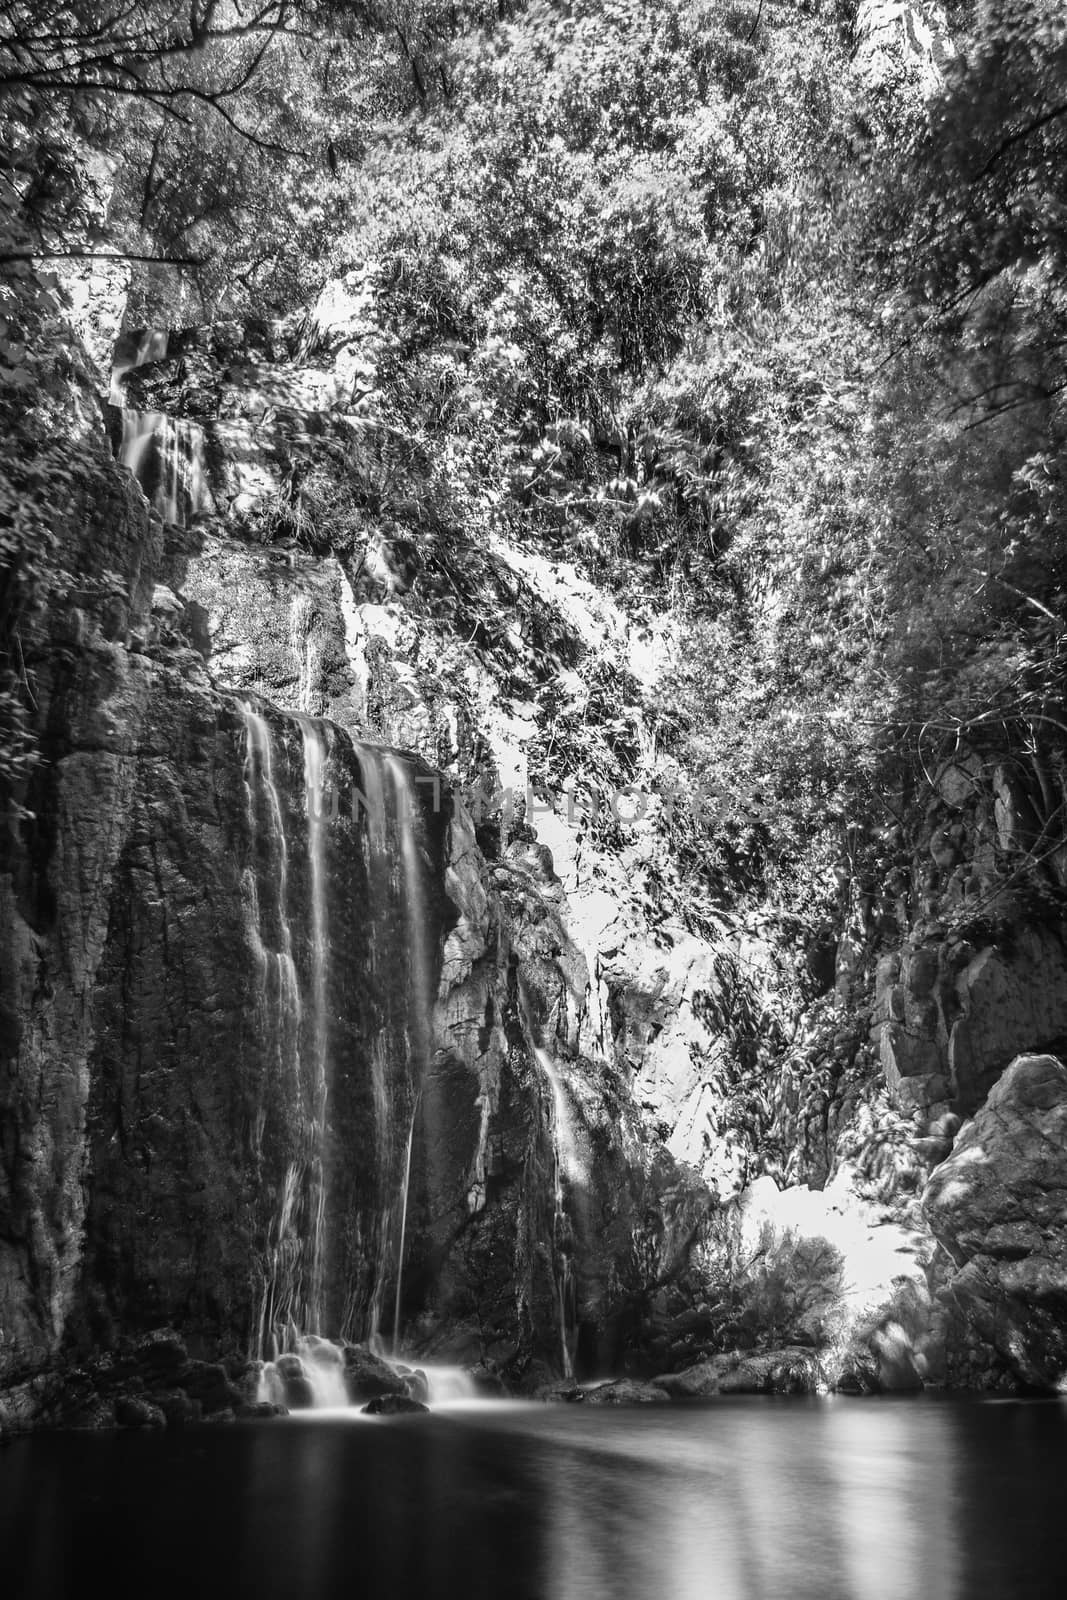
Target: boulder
[
  {"x": 131, "y": 1411},
  {"x": 795, "y": 1371},
  {"x": 626, "y": 1392},
  {"x": 998, "y": 1205},
  {"x": 697, "y": 1382},
  {"x": 567, "y": 1393},
  {"x": 160, "y": 1356},
  {"x": 208, "y": 1382},
  {"x": 790, "y": 1371},
  {"x": 487, "y": 1380},
  {"x": 392, "y": 1405},
  {"x": 91, "y": 1411},
  {"x": 299, "y": 1393},
  {"x": 254, "y": 1410},
  {"x": 418, "y": 1384},
  {"x": 178, "y": 1408},
  {"x": 367, "y": 1376}
]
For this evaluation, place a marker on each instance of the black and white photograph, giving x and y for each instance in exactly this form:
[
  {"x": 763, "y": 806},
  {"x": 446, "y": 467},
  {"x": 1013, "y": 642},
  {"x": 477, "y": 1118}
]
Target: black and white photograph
[{"x": 533, "y": 799}]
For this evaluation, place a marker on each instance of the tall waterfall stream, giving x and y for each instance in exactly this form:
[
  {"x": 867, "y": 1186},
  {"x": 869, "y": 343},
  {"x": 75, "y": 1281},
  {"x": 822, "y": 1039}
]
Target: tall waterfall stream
[
  {"x": 299, "y": 1337},
  {"x": 288, "y": 920}
]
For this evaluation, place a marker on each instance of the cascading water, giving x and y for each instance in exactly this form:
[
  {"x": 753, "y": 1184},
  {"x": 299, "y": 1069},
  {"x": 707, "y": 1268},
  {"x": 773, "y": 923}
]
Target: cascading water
[
  {"x": 419, "y": 976},
  {"x": 567, "y": 1162},
  {"x": 379, "y": 860},
  {"x": 420, "y": 998},
  {"x": 283, "y": 1300},
  {"x": 397, "y": 904},
  {"x": 403, "y": 1225},
  {"x": 292, "y": 1297},
  {"x": 315, "y": 754},
  {"x": 166, "y": 456},
  {"x": 336, "y": 1243},
  {"x": 151, "y": 346}
]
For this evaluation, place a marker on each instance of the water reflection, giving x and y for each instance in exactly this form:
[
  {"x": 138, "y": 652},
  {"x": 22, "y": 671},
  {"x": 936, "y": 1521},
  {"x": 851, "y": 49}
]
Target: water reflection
[
  {"x": 737, "y": 1500},
  {"x": 805, "y": 1498}
]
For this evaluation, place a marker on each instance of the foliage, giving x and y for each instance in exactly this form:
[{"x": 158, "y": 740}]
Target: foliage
[
  {"x": 781, "y": 1289},
  {"x": 47, "y": 474},
  {"x": 664, "y": 291}
]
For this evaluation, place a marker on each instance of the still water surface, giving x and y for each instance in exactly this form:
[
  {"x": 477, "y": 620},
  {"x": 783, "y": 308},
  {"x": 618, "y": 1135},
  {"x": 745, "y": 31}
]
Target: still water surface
[{"x": 836, "y": 1499}]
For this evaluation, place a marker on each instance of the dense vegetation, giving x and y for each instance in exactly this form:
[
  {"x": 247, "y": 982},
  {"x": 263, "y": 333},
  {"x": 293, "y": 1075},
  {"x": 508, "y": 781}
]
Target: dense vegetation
[{"x": 671, "y": 289}]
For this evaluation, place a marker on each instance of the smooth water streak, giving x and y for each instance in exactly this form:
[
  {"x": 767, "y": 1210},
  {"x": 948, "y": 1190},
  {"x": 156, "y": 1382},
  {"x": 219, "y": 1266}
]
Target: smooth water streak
[
  {"x": 567, "y": 1161},
  {"x": 166, "y": 457},
  {"x": 315, "y": 756}
]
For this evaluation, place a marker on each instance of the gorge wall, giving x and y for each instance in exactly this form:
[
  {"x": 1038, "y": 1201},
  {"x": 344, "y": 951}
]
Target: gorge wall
[
  {"x": 351, "y": 985},
  {"x": 271, "y": 1020}
]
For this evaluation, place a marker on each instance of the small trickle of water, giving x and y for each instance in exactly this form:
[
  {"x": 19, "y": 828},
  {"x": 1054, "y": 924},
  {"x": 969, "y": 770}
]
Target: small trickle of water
[
  {"x": 403, "y": 1225},
  {"x": 420, "y": 974},
  {"x": 567, "y": 1161}
]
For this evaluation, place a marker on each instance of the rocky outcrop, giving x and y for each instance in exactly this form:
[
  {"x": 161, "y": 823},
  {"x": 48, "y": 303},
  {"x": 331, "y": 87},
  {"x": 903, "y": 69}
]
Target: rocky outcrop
[
  {"x": 905, "y": 40},
  {"x": 977, "y": 966},
  {"x": 167, "y": 988},
  {"x": 537, "y": 1177},
  {"x": 790, "y": 1371},
  {"x": 997, "y": 1206},
  {"x": 66, "y": 830}
]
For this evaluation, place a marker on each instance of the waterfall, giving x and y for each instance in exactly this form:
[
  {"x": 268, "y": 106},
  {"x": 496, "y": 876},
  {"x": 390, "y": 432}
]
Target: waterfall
[
  {"x": 403, "y": 1224},
  {"x": 316, "y": 1364},
  {"x": 151, "y": 346},
  {"x": 281, "y": 1008},
  {"x": 421, "y": 1000},
  {"x": 397, "y": 909},
  {"x": 292, "y": 1297},
  {"x": 378, "y": 858},
  {"x": 419, "y": 1010},
  {"x": 567, "y": 1161},
  {"x": 166, "y": 456},
  {"x": 336, "y": 1241},
  {"x": 314, "y": 800}
]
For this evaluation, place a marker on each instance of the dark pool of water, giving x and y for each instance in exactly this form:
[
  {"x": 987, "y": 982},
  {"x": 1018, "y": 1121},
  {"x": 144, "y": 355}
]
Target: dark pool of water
[{"x": 735, "y": 1500}]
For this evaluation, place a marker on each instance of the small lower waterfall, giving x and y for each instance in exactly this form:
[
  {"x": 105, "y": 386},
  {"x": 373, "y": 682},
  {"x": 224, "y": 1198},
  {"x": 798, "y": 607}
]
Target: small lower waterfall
[
  {"x": 152, "y": 345},
  {"x": 166, "y": 456},
  {"x": 567, "y": 1162}
]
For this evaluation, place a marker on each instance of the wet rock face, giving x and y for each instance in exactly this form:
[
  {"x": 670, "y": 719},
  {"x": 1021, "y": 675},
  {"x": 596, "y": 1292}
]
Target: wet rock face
[
  {"x": 59, "y": 847},
  {"x": 220, "y": 1199},
  {"x": 997, "y": 1205}
]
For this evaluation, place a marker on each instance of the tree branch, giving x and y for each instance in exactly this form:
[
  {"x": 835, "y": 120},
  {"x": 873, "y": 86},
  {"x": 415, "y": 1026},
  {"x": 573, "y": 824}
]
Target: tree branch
[
  {"x": 101, "y": 255},
  {"x": 1018, "y": 136}
]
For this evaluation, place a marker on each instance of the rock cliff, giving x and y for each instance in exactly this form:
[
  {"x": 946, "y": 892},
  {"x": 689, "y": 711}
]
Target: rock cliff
[
  {"x": 351, "y": 986},
  {"x": 218, "y": 1111}
]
